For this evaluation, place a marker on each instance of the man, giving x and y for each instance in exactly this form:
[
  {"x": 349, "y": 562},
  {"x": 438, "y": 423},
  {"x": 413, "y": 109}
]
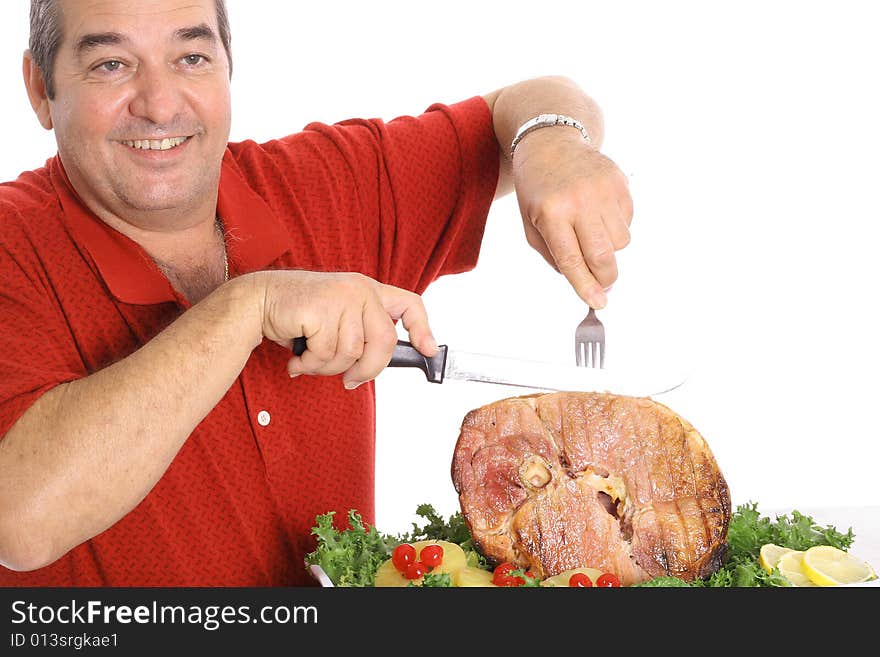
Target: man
[{"x": 155, "y": 276}]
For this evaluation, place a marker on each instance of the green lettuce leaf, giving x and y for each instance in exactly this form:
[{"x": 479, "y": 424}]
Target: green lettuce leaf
[{"x": 349, "y": 556}]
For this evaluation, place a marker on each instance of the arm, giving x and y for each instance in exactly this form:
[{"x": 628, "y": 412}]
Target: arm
[
  {"x": 574, "y": 201},
  {"x": 88, "y": 451}
]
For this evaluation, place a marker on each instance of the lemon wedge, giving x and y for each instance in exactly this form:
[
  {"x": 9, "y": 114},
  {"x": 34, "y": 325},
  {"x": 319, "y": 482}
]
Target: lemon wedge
[
  {"x": 771, "y": 554},
  {"x": 829, "y": 566},
  {"x": 790, "y": 565}
]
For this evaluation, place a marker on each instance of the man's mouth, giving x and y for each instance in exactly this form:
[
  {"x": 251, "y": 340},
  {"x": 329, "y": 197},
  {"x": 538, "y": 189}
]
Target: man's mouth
[{"x": 155, "y": 144}]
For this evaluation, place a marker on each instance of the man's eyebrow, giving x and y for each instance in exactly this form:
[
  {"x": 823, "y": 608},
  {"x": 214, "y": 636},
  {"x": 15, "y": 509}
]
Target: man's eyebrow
[
  {"x": 91, "y": 41},
  {"x": 202, "y": 31}
]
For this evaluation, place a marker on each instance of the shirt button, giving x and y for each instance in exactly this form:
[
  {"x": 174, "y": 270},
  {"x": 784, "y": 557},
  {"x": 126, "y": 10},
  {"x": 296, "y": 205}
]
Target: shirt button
[{"x": 263, "y": 418}]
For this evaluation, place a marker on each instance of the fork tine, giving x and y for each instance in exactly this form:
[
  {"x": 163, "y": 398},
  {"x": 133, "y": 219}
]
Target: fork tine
[{"x": 589, "y": 342}]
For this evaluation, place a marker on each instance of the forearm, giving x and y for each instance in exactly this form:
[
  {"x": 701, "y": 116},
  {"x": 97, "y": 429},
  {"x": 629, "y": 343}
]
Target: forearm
[
  {"x": 88, "y": 451},
  {"x": 514, "y": 105}
]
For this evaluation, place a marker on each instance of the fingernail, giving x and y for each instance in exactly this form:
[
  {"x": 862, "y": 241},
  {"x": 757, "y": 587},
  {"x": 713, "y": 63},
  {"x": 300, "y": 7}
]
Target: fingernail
[
  {"x": 599, "y": 300},
  {"x": 431, "y": 344},
  {"x": 294, "y": 375},
  {"x": 351, "y": 385}
]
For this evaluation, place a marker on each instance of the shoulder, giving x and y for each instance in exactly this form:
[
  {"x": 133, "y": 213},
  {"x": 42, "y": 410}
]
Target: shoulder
[
  {"x": 351, "y": 139},
  {"x": 28, "y": 198},
  {"x": 310, "y": 163},
  {"x": 30, "y": 212}
]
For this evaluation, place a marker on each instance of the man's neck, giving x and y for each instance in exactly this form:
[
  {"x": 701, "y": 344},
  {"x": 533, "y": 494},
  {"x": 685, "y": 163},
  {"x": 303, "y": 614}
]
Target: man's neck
[{"x": 197, "y": 270}]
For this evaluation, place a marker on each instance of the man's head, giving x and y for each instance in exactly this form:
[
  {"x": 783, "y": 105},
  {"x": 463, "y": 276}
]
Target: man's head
[
  {"x": 47, "y": 30},
  {"x": 137, "y": 92}
]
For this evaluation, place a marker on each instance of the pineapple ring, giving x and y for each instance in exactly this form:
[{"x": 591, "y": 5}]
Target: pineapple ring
[{"x": 454, "y": 559}]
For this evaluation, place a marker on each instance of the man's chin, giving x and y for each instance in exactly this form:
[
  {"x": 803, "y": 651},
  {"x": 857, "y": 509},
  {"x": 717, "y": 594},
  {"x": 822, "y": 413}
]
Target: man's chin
[{"x": 159, "y": 198}]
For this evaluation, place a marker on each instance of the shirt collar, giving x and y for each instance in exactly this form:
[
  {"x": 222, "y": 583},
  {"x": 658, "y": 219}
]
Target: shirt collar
[{"x": 255, "y": 237}]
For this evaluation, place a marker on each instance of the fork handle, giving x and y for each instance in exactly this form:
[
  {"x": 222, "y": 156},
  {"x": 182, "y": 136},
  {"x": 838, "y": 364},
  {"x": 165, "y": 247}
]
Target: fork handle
[{"x": 404, "y": 355}]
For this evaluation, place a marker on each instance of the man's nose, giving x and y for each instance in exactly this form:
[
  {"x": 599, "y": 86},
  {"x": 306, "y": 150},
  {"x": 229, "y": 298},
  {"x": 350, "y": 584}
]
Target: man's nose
[{"x": 157, "y": 96}]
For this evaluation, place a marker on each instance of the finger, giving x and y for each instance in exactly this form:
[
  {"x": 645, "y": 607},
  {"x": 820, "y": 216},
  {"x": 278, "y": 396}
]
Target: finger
[
  {"x": 534, "y": 239},
  {"x": 379, "y": 341},
  {"x": 349, "y": 343},
  {"x": 321, "y": 350},
  {"x": 625, "y": 203},
  {"x": 564, "y": 245},
  {"x": 410, "y": 309},
  {"x": 598, "y": 250},
  {"x": 617, "y": 220}
]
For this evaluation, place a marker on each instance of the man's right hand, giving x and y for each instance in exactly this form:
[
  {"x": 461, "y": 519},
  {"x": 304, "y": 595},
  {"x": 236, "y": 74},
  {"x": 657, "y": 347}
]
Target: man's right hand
[{"x": 347, "y": 319}]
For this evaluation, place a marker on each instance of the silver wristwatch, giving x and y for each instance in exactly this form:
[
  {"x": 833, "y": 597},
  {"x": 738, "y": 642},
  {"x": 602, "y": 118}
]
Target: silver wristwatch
[{"x": 545, "y": 121}]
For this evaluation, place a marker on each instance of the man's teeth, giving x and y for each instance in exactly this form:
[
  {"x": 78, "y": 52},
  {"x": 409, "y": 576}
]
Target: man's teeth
[{"x": 156, "y": 144}]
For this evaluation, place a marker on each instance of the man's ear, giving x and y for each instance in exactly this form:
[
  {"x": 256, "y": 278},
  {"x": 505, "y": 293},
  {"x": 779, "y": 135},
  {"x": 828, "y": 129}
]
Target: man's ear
[{"x": 36, "y": 89}]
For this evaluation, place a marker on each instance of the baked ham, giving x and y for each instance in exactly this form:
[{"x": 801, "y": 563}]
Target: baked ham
[{"x": 566, "y": 480}]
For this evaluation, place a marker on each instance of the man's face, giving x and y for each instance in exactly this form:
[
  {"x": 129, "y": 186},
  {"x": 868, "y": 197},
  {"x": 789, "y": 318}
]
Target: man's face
[{"x": 142, "y": 106}]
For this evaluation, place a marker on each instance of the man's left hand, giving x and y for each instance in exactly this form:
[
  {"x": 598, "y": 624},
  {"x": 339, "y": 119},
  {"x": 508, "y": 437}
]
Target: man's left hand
[{"x": 576, "y": 208}]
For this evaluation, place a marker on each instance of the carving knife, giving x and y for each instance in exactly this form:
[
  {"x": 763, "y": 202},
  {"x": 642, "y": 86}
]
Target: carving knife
[{"x": 449, "y": 364}]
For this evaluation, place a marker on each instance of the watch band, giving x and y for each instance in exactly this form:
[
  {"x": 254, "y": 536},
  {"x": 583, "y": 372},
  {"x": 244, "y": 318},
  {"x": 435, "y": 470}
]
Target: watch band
[{"x": 546, "y": 121}]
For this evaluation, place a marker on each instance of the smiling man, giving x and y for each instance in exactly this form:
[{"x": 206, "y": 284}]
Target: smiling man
[{"x": 155, "y": 276}]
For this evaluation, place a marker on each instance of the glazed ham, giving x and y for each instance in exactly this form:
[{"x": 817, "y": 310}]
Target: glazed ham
[{"x": 581, "y": 479}]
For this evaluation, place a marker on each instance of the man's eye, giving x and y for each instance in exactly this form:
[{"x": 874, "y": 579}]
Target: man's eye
[
  {"x": 193, "y": 60},
  {"x": 110, "y": 67}
]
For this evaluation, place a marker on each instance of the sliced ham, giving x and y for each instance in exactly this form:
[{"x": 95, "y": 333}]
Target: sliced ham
[{"x": 566, "y": 480}]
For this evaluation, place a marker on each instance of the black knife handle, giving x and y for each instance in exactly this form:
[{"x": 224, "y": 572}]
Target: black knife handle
[{"x": 405, "y": 355}]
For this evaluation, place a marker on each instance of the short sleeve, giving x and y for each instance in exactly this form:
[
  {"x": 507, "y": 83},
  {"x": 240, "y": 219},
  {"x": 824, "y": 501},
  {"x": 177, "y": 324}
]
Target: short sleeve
[
  {"x": 36, "y": 348},
  {"x": 403, "y": 201}
]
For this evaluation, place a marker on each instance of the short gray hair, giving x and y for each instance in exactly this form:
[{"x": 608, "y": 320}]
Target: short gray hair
[{"x": 46, "y": 35}]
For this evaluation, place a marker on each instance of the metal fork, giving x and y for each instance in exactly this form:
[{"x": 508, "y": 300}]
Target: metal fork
[{"x": 589, "y": 342}]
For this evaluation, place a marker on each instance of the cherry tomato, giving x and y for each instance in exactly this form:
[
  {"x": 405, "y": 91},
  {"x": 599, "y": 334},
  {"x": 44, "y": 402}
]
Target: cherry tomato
[
  {"x": 501, "y": 571},
  {"x": 580, "y": 580},
  {"x": 403, "y": 555},
  {"x": 608, "y": 580},
  {"x": 504, "y": 568},
  {"x": 432, "y": 555},
  {"x": 415, "y": 570},
  {"x": 508, "y": 580}
]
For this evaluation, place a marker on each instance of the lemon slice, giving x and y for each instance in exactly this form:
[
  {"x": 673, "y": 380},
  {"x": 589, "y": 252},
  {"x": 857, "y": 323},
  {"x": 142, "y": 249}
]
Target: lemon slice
[
  {"x": 829, "y": 566},
  {"x": 771, "y": 554},
  {"x": 790, "y": 565}
]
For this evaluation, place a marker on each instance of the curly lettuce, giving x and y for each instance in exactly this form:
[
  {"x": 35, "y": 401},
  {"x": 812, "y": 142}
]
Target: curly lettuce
[
  {"x": 748, "y": 531},
  {"x": 349, "y": 556}
]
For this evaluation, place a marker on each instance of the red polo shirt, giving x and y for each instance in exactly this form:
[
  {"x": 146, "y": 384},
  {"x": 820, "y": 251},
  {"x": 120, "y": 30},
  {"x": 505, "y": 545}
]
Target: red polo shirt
[{"x": 402, "y": 202}]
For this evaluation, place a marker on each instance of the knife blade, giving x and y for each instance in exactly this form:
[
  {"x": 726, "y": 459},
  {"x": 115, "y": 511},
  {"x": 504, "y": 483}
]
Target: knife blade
[{"x": 452, "y": 364}]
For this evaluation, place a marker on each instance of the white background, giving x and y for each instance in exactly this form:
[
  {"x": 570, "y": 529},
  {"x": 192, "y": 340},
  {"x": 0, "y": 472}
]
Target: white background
[{"x": 749, "y": 132}]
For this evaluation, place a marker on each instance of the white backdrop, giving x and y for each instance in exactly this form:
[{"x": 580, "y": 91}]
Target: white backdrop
[{"x": 749, "y": 132}]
